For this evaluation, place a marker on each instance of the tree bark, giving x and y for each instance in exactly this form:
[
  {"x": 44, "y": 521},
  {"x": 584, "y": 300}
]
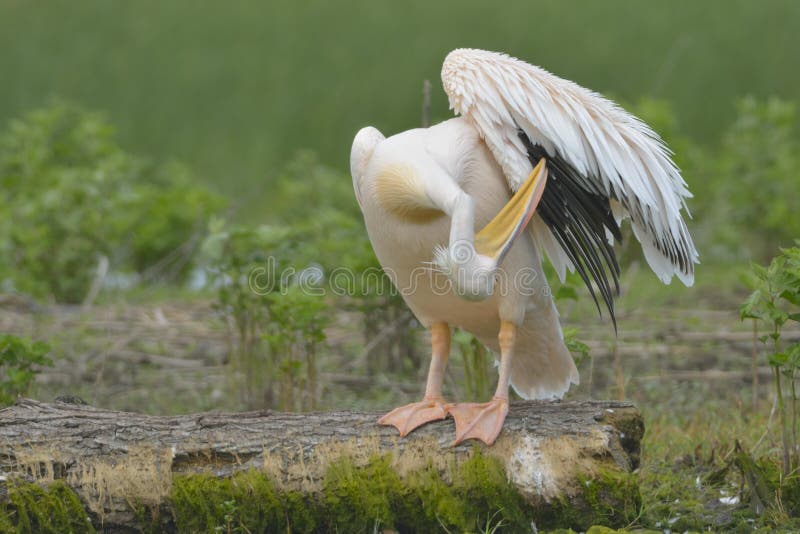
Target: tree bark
[{"x": 114, "y": 460}]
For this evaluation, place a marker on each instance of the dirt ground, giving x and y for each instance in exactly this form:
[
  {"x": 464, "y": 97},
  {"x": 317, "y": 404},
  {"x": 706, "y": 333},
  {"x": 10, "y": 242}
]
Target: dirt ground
[{"x": 170, "y": 357}]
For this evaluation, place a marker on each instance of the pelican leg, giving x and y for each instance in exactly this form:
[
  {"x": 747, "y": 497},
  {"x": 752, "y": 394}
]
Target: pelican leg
[
  {"x": 432, "y": 406},
  {"x": 484, "y": 421}
]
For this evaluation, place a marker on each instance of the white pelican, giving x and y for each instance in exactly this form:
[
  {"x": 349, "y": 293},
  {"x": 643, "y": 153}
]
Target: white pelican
[{"x": 544, "y": 167}]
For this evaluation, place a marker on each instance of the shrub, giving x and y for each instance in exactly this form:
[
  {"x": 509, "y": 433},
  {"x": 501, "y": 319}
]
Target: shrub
[
  {"x": 757, "y": 184},
  {"x": 19, "y": 358},
  {"x": 245, "y": 265},
  {"x": 334, "y": 237},
  {"x": 774, "y": 302},
  {"x": 71, "y": 196},
  {"x": 295, "y": 334}
]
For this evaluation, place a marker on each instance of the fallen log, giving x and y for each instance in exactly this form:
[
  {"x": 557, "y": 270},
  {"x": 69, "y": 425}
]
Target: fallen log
[{"x": 564, "y": 464}]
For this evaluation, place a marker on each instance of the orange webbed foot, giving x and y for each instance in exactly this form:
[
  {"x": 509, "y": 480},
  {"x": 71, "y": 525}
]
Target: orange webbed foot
[
  {"x": 407, "y": 418},
  {"x": 481, "y": 421}
]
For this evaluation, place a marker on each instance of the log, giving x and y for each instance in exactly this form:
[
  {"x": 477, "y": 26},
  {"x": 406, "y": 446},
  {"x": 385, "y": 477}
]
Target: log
[{"x": 122, "y": 464}]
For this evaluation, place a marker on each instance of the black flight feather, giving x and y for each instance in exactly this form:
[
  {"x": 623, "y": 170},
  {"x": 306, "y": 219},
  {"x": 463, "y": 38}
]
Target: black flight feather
[{"x": 578, "y": 215}]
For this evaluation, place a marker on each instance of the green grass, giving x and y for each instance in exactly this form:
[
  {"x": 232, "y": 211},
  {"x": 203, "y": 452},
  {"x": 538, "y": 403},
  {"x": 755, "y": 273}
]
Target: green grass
[
  {"x": 689, "y": 466},
  {"x": 235, "y": 89}
]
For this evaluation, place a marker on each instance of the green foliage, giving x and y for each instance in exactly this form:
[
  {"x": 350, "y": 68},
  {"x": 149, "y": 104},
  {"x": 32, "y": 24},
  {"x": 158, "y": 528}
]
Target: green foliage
[
  {"x": 19, "y": 358},
  {"x": 295, "y": 334},
  {"x": 54, "y": 509},
  {"x": 333, "y": 237},
  {"x": 59, "y": 171},
  {"x": 774, "y": 302},
  {"x": 758, "y": 179},
  {"x": 246, "y": 264},
  {"x": 71, "y": 196},
  {"x": 317, "y": 201},
  {"x": 275, "y": 307},
  {"x": 568, "y": 291},
  {"x": 579, "y": 349},
  {"x": 169, "y": 215}
]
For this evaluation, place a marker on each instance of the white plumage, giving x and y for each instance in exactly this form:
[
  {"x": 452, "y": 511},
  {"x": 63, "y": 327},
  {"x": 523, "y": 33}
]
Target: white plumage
[
  {"x": 578, "y": 164},
  {"x": 621, "y": 157}
]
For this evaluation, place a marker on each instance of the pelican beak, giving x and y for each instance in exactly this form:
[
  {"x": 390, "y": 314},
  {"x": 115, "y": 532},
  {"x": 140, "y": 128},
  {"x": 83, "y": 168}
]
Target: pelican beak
[{"x": 496, "y": 238}]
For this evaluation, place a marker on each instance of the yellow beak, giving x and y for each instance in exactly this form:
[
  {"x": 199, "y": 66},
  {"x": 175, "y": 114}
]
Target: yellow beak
[{"x": 496, "y": 238}]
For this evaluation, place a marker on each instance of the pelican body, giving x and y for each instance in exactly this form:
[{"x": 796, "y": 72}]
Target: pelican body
[{"x": 451, "y": 212}]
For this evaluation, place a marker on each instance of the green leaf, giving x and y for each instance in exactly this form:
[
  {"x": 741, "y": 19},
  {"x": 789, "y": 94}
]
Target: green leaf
[
  {"x": 753, "y": 306},
  {"x": 778, "y": 359},
  {"x": 793, "y": 352},
  {"x": 18, "y": 358}
]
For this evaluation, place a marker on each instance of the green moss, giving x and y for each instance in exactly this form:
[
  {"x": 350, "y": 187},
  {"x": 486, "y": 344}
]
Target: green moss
[
  {"x": 6, "y": 526},
  {"x": 438, "y": 503},
  {"x": 630, "y": 425},
  {"x": 483, "y": 485},
  {"x": 302, "y": 512},
  {"x": 601, "y": 530},
  {"x": 358, "y": 498},
  {"x": 148, "y": 519},
  {"x": 354, "y": 498},
  {"x": 478, "y": 495},
  {"x": 52, "y": 509},
  {"x": 246, "y": 502},
  {"x": 611, "y": 499},
  {"x": 473, "y": 496}
]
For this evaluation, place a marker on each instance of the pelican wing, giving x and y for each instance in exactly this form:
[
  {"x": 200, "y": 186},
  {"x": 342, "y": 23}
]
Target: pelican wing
[{"x": 604, "y": 164}]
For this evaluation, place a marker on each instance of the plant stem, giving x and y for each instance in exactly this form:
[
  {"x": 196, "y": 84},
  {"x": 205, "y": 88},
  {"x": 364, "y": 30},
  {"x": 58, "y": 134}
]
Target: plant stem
[
  {"x": 776, "y": 339},
  {"x": 311, "y": 370},
  {"x": 483, "y": 365},
  {"x": 782, "y": 411},
  {"x": 755, "y": 365},
  {"x": 467, "y": 357},
  {"x": 620, "y": 376},
  {"x": 794, "y": 421}
]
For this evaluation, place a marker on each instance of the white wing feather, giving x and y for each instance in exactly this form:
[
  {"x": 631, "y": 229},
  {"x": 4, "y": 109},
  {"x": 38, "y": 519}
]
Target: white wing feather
[{"x": 619, "y": 154}]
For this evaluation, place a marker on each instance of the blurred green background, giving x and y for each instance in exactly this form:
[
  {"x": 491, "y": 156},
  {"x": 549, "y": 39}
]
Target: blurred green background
[{"x": 235, "y": 88}]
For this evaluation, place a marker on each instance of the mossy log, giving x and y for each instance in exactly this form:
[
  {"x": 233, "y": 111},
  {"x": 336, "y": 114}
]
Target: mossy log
[{"x": 564, "y": 464}]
